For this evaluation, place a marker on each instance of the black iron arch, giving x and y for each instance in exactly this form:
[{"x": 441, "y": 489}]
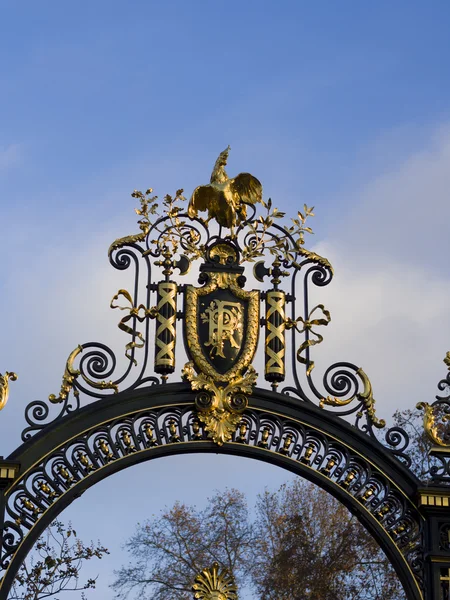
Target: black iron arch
[
  {"x": 74, "y": 453},
  {"x": 325, "y": 429}
]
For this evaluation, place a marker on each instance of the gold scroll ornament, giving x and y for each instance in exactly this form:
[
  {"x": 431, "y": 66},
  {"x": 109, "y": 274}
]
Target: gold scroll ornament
[
  {"x": 366, "y": 397},
  {"x": 71, "y": 374}
]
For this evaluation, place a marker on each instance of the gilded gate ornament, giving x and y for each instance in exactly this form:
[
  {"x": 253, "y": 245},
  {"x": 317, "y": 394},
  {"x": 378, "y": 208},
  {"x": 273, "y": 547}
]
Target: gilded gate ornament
[
  {"x": 225, "y": 199},
  {"x": 219, "y": 321},
  {"x": 214, "y": 584},
  {"x": 4, "y": 387},
  {"x": 221, "y": 332},
  {"x": 220, "y": 318},
  {"x": 436, "y": 416}
]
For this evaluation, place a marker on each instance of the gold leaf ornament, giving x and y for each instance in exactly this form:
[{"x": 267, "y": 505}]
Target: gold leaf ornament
[
  {"x": 433, "y": 426},
  {"x": 4, "y": 387},
  {"x": 220, "y": 407}
]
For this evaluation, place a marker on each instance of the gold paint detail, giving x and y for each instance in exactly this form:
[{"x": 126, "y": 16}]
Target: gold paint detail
[
  {"x": 71, "y": 374},
  {"x": 275, "y": 334},
  {"x": 214, "y": 584},
  {"x": 366, "y": 397},
  {"x": 4, "y": 387},
  {"x": 65, "y": 474},
  {"x": 85, "y": 461},
  {"x": 44, "y": 487},
  {"x": 35, "y": 510},
  {"x": 225, "y": 320},
  {"x": 225, "y": 199},
  {"x": 434, "y": 500},
  {"x": 220, "y": 407},
  {"x": 440, "y": 559},
  {"x": 150, "y": 436},
  {"x": 105, "y": 450},
  {"x": 9, "y": 471},
  {"x": 286, "y": 445},
  {"x": 307, "y": 325},
  {"x": 222, "y": 281},
  {"x": 165, "y": 336},
  {"x": 306, "y": 458}
]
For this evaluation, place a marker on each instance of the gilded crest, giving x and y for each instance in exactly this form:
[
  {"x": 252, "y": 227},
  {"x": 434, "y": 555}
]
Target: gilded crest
[
  {"x": 221, "y": 327},
  {"x": 221, "y": 333}
]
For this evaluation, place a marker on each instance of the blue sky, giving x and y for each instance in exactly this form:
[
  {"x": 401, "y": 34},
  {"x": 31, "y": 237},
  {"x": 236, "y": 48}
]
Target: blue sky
[{"x": 343, "y": 105}]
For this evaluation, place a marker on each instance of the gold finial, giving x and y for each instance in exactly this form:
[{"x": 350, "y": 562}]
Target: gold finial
[
  {"x": 4, "y": 387},
  {"x": 214, "y": 584},
  {"x": 225, "y": 199}
]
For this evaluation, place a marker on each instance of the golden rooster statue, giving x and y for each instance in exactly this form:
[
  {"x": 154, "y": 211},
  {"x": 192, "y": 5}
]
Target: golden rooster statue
[{"x": 225, "y": 199}]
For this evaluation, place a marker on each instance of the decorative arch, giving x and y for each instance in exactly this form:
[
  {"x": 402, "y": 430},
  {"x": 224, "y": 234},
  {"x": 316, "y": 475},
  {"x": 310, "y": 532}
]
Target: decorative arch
[
  {"x": 112, "y": 413},
  {"x": 71, "y": 455}
]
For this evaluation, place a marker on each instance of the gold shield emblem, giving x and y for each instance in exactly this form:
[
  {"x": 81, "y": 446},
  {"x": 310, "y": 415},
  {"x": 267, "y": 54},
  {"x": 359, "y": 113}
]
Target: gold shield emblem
[
  {"x": 221, "y": 327},
  {"x": 221, "y": 331}
]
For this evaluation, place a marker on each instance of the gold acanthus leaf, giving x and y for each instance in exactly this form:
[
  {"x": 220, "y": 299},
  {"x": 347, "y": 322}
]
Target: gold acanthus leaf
[
  {"x": 220, "y": 410},
  {"x": 366, "y": 397},
  {"x": 433, "y": 428},
  {"x": 313, "y": 257},
  {"x": 447, "y": 359},
  {"x": 4, "y": 387},
  {"x": 71, "y": 374}
]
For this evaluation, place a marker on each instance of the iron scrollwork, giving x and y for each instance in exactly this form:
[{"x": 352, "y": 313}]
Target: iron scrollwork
[
  {"x": 173, "y": 236},
  {"x": 218, "y": 324}
]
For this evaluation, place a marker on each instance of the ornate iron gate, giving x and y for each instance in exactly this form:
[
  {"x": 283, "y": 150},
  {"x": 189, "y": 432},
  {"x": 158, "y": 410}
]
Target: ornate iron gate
[{"x": 327, "y": 432}]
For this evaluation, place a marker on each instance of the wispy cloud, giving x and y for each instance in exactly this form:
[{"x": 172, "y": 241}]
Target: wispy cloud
[
  {"x": 10, "y": 156},
  {"x": 390, "y": 295}
]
